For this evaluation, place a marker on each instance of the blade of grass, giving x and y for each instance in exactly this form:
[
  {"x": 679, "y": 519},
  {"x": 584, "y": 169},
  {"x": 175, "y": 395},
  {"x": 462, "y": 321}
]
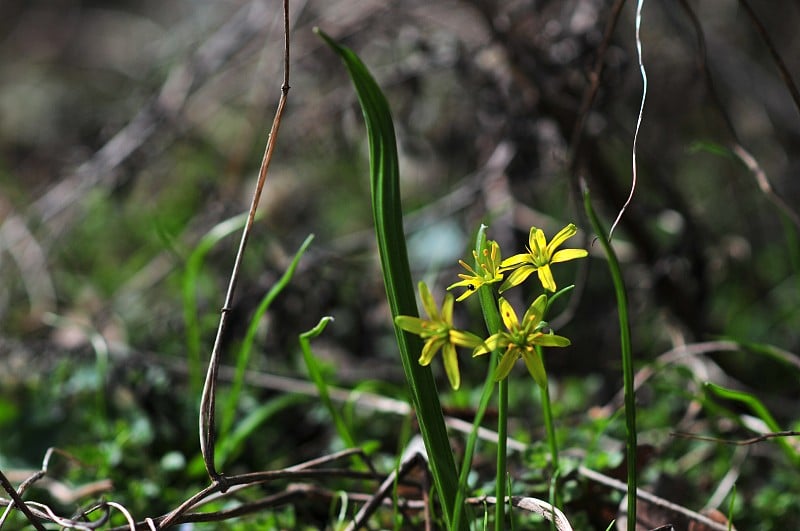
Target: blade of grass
[
  {"x": 627, "y": 356},
  {"x": 243, "y": 356},
  {"x": 232, "y": 444},
  {"x": 387, "y": 212},
  {"x": 758, "y": 408},
  {"x": 315, "y": 372}
]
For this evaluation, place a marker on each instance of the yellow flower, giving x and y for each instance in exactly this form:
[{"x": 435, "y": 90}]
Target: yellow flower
[
  {"x": 539, "y": 257},
  {"x": 439, "y": 334},
  {"x": 521, "y": 339},
  {"x": 488, "y": 264}
]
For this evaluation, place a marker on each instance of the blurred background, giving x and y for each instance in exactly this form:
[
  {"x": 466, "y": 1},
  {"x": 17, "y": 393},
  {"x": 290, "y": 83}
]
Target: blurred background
[{"x": 128, "y": 130}]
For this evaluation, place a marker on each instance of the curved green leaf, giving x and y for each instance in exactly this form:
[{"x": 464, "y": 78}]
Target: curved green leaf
[{"x": 387, "y": 212}]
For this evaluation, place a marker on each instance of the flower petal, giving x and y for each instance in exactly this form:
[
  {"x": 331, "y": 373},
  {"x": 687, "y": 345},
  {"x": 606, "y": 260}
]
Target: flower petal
[
  {"x": 517, "y": 277},
  {"x": 546, "y": 278},
  {"x": 508, "y": 315},
  {"x": 535, "y": 367},
  {"x": 472, "y": 284},
  {"x": 552, "y": 340},
  {"x": 430, "y": 349},
  {"x": 465, "y": 339},
  {"x": 451, "y": 365},
  {"x": 533, "y": 316},
  {"x": 567, "y": 232},
  {"x": 538, "y": 243},
  {"x": 447, "y": 309},
  {"x": 490, "y": 344},
  {"x": 515, "y": 261},
  {"x": 428, "y": 303},
  {"x": 568, "y": 254},
  {"x": 415, "y": 325},
  {"x": 506, "y": 363}
]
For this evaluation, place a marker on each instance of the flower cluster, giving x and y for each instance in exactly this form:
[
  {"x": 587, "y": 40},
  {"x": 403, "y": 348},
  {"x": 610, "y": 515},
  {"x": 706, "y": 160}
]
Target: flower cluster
[{"x": 521, "y": 338}]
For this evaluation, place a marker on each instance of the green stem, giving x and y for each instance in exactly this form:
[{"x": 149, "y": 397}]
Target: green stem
[
  {"x": 488, "y": 387},
  {"x": 627, "y": 356},
  {"x": 550, "y": 429},
  {"x": 502, "y": 439},
  {"x": 491, "y": 316}
]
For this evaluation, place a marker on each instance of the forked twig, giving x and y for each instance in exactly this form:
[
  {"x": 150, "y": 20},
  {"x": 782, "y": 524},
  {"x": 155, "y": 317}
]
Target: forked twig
[{"x": 208, "y": 398}]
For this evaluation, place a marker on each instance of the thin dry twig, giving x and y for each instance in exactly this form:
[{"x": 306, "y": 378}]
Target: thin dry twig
[
  {"x": 773, "y": 51},
  {"x": 208, "y": 398},
  {"x": 764, "y": 184},
  {"x": 736, "y": 442},
  {"x": 303, "y": 470},
  {"x": 16, "y": 501}
]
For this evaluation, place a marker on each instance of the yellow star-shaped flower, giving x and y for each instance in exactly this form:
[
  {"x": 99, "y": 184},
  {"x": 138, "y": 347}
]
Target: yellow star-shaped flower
[
  {"x": 488, "y": 271},
  {"x": 439, "y": 334},
  {"x": 539, "y": 257},
  {"x": 520, "y": 340}
]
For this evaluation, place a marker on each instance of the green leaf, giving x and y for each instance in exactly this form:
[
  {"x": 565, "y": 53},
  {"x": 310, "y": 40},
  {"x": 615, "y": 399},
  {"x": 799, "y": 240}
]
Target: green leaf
[
  {"x": 387, "y": 212},
  {"x": 760, "y": 411},
  {"x": 243, "y": 355}
]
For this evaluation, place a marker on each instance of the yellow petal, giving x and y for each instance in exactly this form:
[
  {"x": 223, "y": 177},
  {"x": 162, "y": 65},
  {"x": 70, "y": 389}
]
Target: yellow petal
[
  {"x": 428, "y": 303},
  {"x": 535, "y": 367},
  {"x": 568, "y": 254},
  {"x": 517, "y": 277},
  {"x": 535, "y": 312},
  {"x": 447, "y": 309},
  {"x": 465, "y": 339},
  {"x": 506, "y": 363},
  {"x": 508, "y": 315},
  {"x": 472, "y": 284},
  {"x": 567, "y": 232},
  {"x": 462, "y": 283},
  {"x": 552, "y": 340},
  {"x": 466, "y": 294},
  {"x": 515, "y": 261},
  {"x": 415, "y": 325},
  {"x": 546, "y": 278},
  {"x": 451, "y": 365},
  {"x": 538, "y": 242},
  {"x": 430, "y": 349},
  {"x": 489, "y": 345}
]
